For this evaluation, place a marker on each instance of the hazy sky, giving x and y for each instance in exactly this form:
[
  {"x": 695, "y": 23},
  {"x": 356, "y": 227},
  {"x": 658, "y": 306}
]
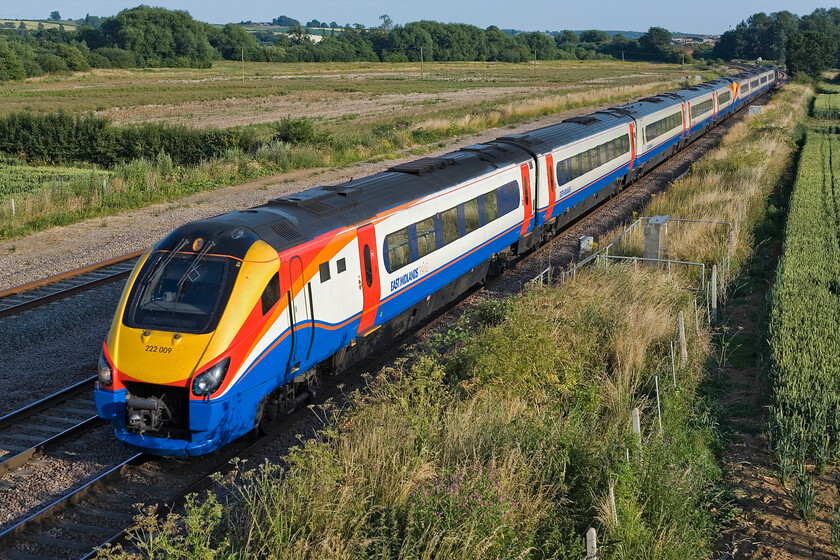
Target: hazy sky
[{"x": 692, "y": 16}]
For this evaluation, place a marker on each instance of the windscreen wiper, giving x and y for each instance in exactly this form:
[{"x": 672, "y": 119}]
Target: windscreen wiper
[{"x": 193, "y": 267}]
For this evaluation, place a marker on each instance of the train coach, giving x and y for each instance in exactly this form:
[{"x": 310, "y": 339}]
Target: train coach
[{"x": 228, "y": 324}]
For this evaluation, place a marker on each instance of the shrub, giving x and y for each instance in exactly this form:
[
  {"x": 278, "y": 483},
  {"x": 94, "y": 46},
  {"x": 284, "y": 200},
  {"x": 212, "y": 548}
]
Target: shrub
[{"x": 300, "y": 130}]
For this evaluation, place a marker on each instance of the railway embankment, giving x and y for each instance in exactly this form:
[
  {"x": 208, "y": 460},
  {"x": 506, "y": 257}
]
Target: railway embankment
[{"x": 510, "y": 433}]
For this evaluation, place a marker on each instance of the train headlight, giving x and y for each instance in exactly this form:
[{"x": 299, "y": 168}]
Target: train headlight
[
  {"x": 208, "y": 381},
  {"x": 105, "y": 376}
]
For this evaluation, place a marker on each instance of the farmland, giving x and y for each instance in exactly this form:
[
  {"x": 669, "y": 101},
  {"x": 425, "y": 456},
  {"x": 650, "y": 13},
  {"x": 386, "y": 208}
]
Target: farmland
[
  {"x": 827, "y": 106},
  {"x": 162, "y": 89},
  {"x": 804, "y": 329}
]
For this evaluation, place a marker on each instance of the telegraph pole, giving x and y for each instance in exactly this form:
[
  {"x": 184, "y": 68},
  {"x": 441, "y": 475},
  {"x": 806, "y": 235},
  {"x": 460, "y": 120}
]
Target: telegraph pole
[{"x": 421, "y": 62}]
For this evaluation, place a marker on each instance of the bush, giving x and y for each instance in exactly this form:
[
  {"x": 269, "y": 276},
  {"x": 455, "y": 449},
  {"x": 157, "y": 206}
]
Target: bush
[
  {"x": 51, "y": 63},
  {"x": 300, "y": 131},
  {"x": 119, "y": 58}
]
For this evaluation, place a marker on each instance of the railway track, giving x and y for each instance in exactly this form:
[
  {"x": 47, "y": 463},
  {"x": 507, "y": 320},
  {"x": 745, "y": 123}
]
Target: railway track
[
  {"x": 40, "y": 292},
  {"x": 44, "y": 425},
  {"x": 102, "y": 511}
]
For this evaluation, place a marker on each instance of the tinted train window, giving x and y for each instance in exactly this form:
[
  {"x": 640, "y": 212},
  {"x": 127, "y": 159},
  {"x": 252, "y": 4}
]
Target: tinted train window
[
  {"x": 324, "y": 269},
  {"x": 701, "y": 108},
  {"x": 399, "y": 253},
  {"x": 508, "y": 197},
  {"x": 491, "y": 206},
  {"x": 426, "y": 242},
  {"x": 181, "y": 292},
  {"x": 451, "y": 227},
  {"x": 574, "y": 167},
  {"x": 340, "y": 265},
  {"x": 724, "y": 97},
  {"x": 753, "y": 84},
  {"x": 625, "y": 144},
  {"x": 271, "y": 294},
  {"x": 472, "y": 220},
  {"x": 368, "y": 267},
  {"x": 662, "y": 126}
]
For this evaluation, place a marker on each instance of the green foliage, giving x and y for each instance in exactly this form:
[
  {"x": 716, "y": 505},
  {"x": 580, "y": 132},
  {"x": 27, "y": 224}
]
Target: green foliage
[
  {"x": 158, "y": 37},
  {"x": 811, "y": 53},
  {"x": 10, "y": 66},
  {"x": 62, "y": 138},
  {"x": 300, "y": 131}
]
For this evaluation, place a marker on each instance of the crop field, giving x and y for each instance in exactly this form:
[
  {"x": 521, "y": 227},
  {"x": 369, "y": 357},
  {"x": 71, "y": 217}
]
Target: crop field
[
  {"x": 204, "y": 97},
  {"x": 805, "y": 318},
  {"x": 827, "y": 106},
  {"x": 17, "y": 180}
]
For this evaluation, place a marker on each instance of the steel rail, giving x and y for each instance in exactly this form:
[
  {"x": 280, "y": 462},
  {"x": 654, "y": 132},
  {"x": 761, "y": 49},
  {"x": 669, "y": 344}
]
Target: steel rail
[{"x": 39, "y": 292}]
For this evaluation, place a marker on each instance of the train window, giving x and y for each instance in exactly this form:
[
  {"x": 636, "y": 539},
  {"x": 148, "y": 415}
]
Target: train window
[
  {"x": 324, "y": 269},
  {"x": 451, "y": 228},
  {"x": 701, "y": 108},
  {"x": 561, "y": 173},
  {"x": 610, "y": 149},
  {"x": 271, "y": 293},
  {"x": 753, "y": 84},
  {"x": 340, "y": 265},
  {"x": 584, "y": 163},
  {"x": 426, "y": 242},
  {"x": 491, "y": 206},
  {"x": 368, "y": 267},
  {"x": 602, "y": 154},
  {"x": 625, "y": 144},
  {"x": 508, "y": 197},
  {"x": 574, "y": 167},
  {"x": 399, "y": 253},
  {"x": 472, "y": 221},
  {"x": 724, "y": 97}
]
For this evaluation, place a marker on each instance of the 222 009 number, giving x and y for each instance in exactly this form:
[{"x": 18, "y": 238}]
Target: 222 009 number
[{"x": 158, "y": 349}]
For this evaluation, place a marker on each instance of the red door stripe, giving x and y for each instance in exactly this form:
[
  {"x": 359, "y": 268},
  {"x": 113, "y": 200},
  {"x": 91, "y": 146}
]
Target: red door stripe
[
  {"x": 526, "y": 192},
  {"x": 549, "y": 163}
]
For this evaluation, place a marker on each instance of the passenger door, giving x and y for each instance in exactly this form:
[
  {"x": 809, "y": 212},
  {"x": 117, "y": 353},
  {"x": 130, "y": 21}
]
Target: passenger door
[
  {"x": 527, "y": 197},
  {"x": 369, "y": 279},
  {"x": 300, "y": 310}
]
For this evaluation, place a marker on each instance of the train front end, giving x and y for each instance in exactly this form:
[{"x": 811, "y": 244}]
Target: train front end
[{"x": 173, "y": 376}]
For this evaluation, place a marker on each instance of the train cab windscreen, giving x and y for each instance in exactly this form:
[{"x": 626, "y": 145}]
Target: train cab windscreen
[{"x": 181, "y": 291}]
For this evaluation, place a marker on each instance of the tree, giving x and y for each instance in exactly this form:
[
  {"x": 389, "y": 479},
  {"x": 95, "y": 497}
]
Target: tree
[
  {"x": 539, "y": 43},
  {"x": 594, "y": 36},
  {"x": 810, "y": 53},
  {"x": 10, "y": 65},
  {"x": 655, "y": 40},
  {"x": 55, "y": 16},
  {"x": 22, "y": 26},
  {"x": 284, "y": 21}
]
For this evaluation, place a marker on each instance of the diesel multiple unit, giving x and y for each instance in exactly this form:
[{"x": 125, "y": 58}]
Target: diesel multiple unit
[{"x": 228, "y": 324}]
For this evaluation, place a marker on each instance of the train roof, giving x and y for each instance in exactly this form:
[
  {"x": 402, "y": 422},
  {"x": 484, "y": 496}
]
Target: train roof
[
  {"x": 650, "y": 105},
  {"x": 544, "y": 140},
  {"x": 294, "y": 219}
]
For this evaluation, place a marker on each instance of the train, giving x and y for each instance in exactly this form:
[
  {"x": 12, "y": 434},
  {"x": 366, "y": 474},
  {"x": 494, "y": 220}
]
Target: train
[{"x": 230, "y": 323}]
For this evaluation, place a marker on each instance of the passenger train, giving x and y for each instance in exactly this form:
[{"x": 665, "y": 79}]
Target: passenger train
[{"x": 228, "y": 323}]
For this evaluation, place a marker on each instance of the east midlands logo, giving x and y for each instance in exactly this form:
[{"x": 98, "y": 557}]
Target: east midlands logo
[{"x": 406, "y": 278}]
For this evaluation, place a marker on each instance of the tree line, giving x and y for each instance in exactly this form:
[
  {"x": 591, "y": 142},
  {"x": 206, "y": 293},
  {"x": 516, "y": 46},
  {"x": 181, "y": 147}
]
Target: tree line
[
  {"x": 157, "y": 37},
  {"x": 808, "y": 45}
]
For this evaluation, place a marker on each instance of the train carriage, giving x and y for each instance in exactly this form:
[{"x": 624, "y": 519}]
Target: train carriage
[{"x": 228, "y": 323}]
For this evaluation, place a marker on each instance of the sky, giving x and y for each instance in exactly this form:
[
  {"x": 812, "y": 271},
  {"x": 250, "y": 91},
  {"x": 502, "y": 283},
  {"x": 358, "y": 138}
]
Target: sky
[{"x": 692, "y": 16}]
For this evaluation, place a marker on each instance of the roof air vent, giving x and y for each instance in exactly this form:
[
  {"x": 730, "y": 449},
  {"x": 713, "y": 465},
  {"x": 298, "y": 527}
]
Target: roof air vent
[
  {"x": 286, "y": 230},
  {"x": 582, "y": 120},
  {"x": 421, "y": 166}
]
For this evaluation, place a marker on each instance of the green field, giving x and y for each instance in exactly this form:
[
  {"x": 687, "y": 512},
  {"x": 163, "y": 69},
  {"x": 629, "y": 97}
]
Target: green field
[
  {"x": 827, "y": 106},
  {"x": 805, "y": 317},
  {"x": 33, "y": 24}
]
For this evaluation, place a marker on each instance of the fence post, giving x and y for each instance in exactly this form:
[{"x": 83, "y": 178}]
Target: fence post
[
  {"x": 13, "y": 208},
  {"x": 713, "y": 316},
  {"x": 658, "y": 406},
  {"x": 683, "y": 344},
  {"x": 673, "y": 365},
  {"x": 591, "y": 544}
]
